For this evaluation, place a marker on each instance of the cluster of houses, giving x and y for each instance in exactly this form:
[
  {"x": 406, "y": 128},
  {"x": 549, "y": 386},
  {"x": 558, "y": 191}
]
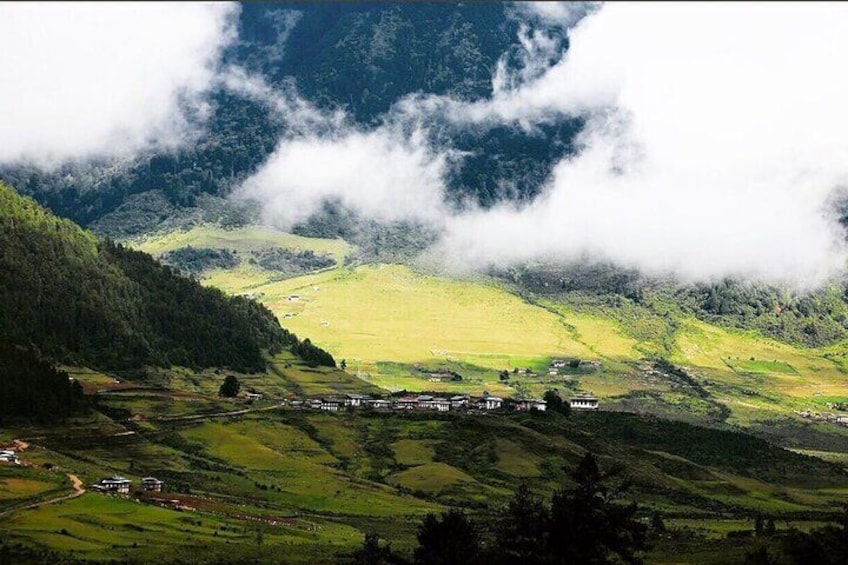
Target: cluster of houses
[
  {"x": 839, "y": 419},
  {"x": 9, "y": 456},
  {"x": 426, "y": 402},
  {"x": 121, "y": 485}
]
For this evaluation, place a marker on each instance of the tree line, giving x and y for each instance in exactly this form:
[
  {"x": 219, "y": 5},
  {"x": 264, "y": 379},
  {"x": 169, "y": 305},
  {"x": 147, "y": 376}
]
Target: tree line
[
  {"x": 32, "y": 389},
  {"x": 82, "y": 301},
  {"x": 585, "y": 523}
]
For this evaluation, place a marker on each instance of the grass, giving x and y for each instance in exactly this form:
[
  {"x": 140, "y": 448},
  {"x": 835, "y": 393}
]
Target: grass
[
  {"x": 346, "y": 474},
  {"x": 240, "y": 240},
  {"x": 432, "y": 478},
  {"x": 392, "y": 324},
  {"x": 299, "y": 466},
  {"x": 370, "y": 314}
]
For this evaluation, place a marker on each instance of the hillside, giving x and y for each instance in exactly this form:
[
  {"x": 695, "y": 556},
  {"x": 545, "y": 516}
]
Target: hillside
[
  {"x": 312, "y": 483},
  {"x": 87, "y": 302},
  {"x": 356, "y": 56},
  {"x": 364, "y": 58},
  {"x": 642, "y": 349}
]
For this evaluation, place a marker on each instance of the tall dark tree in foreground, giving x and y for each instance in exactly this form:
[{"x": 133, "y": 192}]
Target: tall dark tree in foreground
[
  {"x": 371, "y": 553},
  {"x": 555, "y": 403},
  {"x": 823, "y": 546},
  {"x": 447, "y": 539},
  {"x": 588, "y": 525},
  {"x": 523, "y": 531}
]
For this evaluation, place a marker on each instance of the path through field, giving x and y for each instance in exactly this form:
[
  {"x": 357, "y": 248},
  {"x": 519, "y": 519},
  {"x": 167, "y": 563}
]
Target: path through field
[{"x": 76, "y": 484}]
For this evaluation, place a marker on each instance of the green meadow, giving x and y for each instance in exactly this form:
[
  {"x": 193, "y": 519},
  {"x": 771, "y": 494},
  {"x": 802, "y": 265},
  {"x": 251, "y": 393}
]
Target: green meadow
[
  {"x": 307, "y": 486},
  {"x": 397, "y": 327},
  {"x": 260, "y": 482}
]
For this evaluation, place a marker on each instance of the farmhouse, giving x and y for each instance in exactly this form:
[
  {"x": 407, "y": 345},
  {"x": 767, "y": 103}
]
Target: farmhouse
[
  {"x": 527, "y": 405},
  {"x": 331, "y": 404},
  {"x": 458, "y": 402},
  {"x": 378, "y": 403},
  {"x": 490, "y": 403},
  {"x": 583, "y": 402},
  {"x": 116, "y": 484},
  {"x": 441, "y": 404},
  {"x": 7, "y": 456},
  {"x": 355, "y": 400},
  {"x": 254, "y": 396},
  {"x": 406, "y": 403},
  {"x": 425, "y": 402},
  {"x": 151, "y": 484}
]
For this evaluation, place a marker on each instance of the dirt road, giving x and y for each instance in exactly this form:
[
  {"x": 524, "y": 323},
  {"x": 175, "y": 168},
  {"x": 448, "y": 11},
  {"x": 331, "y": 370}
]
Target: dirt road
[{"x": 76, "y": 484}]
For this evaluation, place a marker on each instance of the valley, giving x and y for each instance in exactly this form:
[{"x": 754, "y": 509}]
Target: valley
[
  {"x": 489, "y": 283},
  {"x": 396, "y": 325}
]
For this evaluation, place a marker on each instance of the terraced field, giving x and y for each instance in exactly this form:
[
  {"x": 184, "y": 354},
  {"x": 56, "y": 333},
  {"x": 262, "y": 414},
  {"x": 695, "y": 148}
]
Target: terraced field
[{"x": 308, "y": 485}]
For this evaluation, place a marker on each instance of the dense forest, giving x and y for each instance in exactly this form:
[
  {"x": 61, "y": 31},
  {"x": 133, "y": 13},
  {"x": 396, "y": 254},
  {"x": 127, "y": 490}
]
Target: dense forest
[
  {"x": 359, "y": 57},
  {"x": 31, "y": 388},
  {"x": 810, "y": 318},
  {"x": 96, "y": 303}
]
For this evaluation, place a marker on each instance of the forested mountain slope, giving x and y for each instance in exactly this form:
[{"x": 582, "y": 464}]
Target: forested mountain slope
[
  {"x": 89, "y": 302},
  {"x": 362, "y": 58}
]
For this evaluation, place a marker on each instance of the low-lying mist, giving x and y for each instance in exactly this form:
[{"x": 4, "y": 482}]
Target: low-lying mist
[
  {"x": 714, "y": 146},
  {"x": 711, "y": 145}
]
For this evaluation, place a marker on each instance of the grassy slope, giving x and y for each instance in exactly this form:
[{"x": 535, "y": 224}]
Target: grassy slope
[
  {"x": 393, "y": 324},
  {"x": 326, "y": 479}
]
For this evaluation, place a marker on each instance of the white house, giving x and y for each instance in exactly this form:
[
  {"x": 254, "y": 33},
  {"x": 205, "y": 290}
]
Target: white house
[
  {"x": 254, "y": 396},
  {"x": 331, "y": 404},
  {"x": 583, "y": 402},
  {"x": 378, "y": 403},
  {"x": 425, "y": 402},
  {"x": 7, "y": 456},
  {"x": 458, "y": 402},
  {"x": 151, "y": 484},
  {"x": 406, "y": 403},
  {"x": 527, "y": 405},
  {"x": 491, "y": 403},
  {"x": 116, "y": 484},
  {"x": 354, "y": 400},
  {"x": 441, "y": 404}
]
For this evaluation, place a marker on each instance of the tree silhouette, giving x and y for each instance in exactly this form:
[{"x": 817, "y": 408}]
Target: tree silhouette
[
  {"x": 371, "y": 553},
  {"x": 522, "y": 534},
  {"x": 588, "y": 525},
  {"x": 447, "y": 539},
  {"x": 230, "y": 388}
]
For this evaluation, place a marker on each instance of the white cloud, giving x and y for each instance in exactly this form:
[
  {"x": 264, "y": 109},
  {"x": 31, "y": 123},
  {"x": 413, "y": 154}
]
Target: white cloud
[
  {"x": 716, "y": 138},
  {"x": 383, "y": 174},
  {"x": 713, "y": 146},
  {"x": 91, "y": 79}
]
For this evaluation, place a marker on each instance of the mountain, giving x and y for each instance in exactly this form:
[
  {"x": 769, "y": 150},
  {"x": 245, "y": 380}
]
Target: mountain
[
  {"x": 90, "y": 302},
  {"x": 364, "y": 58},
  {"x": 360, "y": 57}
]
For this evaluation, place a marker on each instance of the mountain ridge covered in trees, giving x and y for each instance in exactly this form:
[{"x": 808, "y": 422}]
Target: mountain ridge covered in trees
[{"x": 83, "y": 301}]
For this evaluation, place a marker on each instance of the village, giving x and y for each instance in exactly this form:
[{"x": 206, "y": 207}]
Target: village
[{"x": 429, "y": 403}]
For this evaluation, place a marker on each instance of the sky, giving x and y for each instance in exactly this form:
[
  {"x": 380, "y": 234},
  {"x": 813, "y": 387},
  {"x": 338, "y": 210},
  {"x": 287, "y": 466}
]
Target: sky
[{"x": 714, "y": 142}]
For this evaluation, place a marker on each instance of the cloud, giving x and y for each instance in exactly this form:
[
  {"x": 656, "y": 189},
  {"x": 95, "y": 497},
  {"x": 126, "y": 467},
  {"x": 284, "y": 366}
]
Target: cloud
[
  {"x": 715, "y": 141},
  {"x": 714, "y": 144},
  {"x": 384, "y": 174},
  {"x": 87, "y": 80}
]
